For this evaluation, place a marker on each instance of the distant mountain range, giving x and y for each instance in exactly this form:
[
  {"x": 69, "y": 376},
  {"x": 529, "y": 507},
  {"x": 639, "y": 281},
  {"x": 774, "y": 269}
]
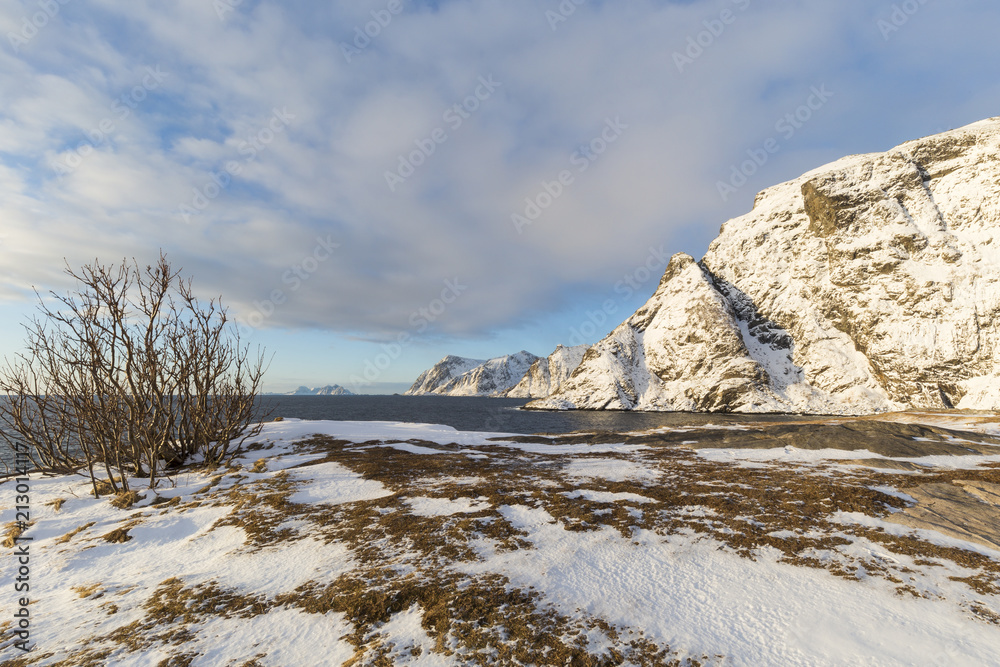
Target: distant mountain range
[{"x": 328, "y": 390}]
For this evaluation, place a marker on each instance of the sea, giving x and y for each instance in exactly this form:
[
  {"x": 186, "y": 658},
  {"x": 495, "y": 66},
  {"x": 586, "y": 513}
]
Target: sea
[
  {"x": 499, "y": 415},
  {"x": 496, "y": 415}
]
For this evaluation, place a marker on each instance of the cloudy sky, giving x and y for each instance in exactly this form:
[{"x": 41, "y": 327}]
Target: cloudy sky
[{"x": 374, "y": 184}]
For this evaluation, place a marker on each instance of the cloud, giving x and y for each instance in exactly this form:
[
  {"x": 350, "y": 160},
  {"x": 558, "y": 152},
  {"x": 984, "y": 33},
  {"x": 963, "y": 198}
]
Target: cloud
[{"x": 200, "y": 168}]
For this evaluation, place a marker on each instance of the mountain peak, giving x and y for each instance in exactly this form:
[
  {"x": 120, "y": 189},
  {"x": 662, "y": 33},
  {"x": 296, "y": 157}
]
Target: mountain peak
[{"x": 866, "y": 285}]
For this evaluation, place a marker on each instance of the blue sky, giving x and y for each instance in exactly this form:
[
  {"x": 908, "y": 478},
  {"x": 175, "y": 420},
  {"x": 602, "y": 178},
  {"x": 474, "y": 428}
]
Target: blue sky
[{"x": 375, "y": 184}]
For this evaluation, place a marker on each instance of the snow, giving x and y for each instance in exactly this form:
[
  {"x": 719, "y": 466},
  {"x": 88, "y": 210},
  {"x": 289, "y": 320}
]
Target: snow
[
  {"x": 794, "y": 455},
  {"x": 457, "y": 376},
  {"x": 287, "y": 636},
  {"x": 931, "y": 536},
  {"x": 545, "y": 375},
  {"x": 612, "y": 470},
  {"x": 684, "y": 590},
  {"x": 895, "y": 493},
  {"x": 424, "y": 506},
  {"x": 607, "y": 496},
  {"x": 333, "y": 484},
  {"x": 406, "y": 633},
  {"x": 697, "y": 599},
  {"x": 867, "y": 285}
]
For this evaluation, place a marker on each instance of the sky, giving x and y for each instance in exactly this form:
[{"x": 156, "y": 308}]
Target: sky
[{"x": 373, "y": 185}]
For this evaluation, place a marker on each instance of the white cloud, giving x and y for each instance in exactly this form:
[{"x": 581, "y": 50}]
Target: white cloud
[{"x": 323, "y": 174}]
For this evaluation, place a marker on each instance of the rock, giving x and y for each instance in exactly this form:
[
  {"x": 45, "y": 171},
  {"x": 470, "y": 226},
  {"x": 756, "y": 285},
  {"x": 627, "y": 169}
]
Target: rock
[
  {"x": 441, "y": 374},
  {"x": 457, "y": 376},
  {"x": 867, "y": 285},
  {"x": 545, "y": 375}
]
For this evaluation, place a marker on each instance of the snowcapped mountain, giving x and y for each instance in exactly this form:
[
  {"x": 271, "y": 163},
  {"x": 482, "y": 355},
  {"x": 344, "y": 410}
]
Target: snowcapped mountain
[
  {"x": 457, "y": 376},
  {"x": 870, "y": 284},
  {"x": 328, "y": 390},
  {"x": 545, "y": 375},
  {"x": 441, "y": 374}
]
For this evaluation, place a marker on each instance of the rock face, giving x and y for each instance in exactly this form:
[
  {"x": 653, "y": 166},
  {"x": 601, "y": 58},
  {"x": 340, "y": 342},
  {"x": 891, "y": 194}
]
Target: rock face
[
  {"x": 493, "y": 377},
  {"x": 328, "y": 390},
  {"x": 441, "y": 373},
  {"x": 867, "y": 285},
  {"x": 545, "y": 375}
]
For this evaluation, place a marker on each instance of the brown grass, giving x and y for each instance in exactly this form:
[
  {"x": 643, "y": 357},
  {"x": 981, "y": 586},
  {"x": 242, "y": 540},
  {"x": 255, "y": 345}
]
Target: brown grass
[
  {"x": 56, "y": 504},
  {"x": 407, "y": 562},
  {"x": 120, "y": 534},
  {"x": 125, "y": 499},
  {"x": 87, "y": 591},
  {"x": 12, "y": 531},
  {"x": 73, "y": 533}
]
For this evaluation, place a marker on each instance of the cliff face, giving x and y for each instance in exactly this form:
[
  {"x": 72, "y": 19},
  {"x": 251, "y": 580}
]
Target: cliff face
[
  {"x": 545, "y": 375},
  {"x": 870, "y": 284},
  {"x": 456, "y": 376},
  {"x": 441, "y": 374}
]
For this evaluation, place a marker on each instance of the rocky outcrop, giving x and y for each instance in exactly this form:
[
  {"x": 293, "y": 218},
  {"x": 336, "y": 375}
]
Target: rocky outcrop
[
  {"x": 545, "y": 375},
  {"x": 493, "y": 377},
  {"x": 441, "y": 373},
  {"x": 870, "y": 284}
]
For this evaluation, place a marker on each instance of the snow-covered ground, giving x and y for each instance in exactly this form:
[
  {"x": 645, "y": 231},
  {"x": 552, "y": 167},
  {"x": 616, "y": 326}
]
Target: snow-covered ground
[{"x": 391, "y": 543}]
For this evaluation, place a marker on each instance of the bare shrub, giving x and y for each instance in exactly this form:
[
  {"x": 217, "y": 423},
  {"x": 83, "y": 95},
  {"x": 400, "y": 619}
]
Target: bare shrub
[{"x": 128, "y": 375}]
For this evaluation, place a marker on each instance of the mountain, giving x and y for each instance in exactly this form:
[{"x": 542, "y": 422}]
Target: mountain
[
  {"x": 867, "y": 285},
  {"x": 441, "y": 374},
  {"x": 458, "y": 376},
  {"x": 328, "y": 390},
  {"x": 545, "y": 375}
]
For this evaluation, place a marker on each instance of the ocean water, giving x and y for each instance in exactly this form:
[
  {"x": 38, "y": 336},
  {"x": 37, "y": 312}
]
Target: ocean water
[
  {"x": 485, "y": 414},
  {"x": 501, "y": 415}
]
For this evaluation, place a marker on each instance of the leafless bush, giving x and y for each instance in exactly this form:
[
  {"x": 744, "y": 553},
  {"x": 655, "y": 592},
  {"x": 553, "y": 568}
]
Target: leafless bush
[{"x": 128, "y": 375}]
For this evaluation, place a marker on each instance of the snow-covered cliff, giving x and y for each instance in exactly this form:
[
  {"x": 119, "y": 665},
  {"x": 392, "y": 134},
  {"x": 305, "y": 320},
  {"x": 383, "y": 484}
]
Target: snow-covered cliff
[
  {"x": 441, "y": 373},
  {"x": 870, "y": 284},
  {"x": 545, "y": 375},
  {"x": 457, "y": 376}
]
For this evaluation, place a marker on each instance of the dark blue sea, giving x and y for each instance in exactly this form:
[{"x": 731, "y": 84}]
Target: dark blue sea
[
  {"x": 484, "y": 414},
  {"x": 501, "y": 415}
]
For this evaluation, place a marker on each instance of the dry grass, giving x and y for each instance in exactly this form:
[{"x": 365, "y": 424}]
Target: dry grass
[
  {"x": 125, "y": 499},
  {"x": 741, "y": 508},
  {"x": 12, "y": 531},
  {"x": 104, "y": 486},
  {"x": 87, "y": 591},
  {"x": 120, "y": 534},
  {"x": 57, "y": 504},
  {"x": 73, "y": 533},
  {"x": 406, "y": 562}
]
